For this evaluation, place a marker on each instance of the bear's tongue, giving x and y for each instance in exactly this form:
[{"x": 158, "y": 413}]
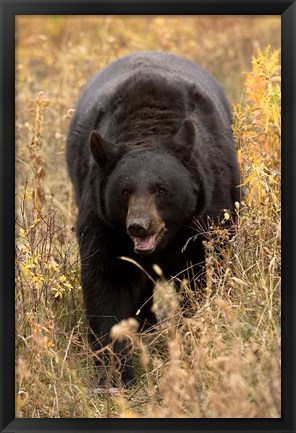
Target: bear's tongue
[{"x": 146, "y": 243}]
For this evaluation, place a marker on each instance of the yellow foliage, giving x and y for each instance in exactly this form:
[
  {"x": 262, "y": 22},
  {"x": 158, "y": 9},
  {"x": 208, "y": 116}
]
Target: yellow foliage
[{"x": 257, "y": 132}]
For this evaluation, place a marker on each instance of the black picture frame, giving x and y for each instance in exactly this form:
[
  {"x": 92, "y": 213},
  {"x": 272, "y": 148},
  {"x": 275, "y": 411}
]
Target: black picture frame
[{"x": 9, "y": 10}]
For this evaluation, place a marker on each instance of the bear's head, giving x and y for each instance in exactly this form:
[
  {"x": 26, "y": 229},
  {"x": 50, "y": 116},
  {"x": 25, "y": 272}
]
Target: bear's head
[{"x": 151, "y": 191}]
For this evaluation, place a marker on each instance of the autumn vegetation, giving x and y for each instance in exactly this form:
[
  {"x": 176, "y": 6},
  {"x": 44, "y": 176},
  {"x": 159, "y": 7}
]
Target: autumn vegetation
[{"x": 221, "y": 357}]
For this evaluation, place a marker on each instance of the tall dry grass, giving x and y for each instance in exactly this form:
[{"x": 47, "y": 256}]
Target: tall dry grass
[{"x": 222, "y": 358}]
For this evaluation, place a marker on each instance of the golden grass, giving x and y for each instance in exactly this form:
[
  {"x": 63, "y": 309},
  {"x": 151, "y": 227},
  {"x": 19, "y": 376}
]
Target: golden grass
[{"x": 222, "y": 358}]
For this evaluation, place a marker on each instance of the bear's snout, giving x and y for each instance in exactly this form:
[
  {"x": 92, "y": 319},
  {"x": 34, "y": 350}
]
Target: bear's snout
[
  {"x": 138, "y": 227},
  {"x": 144, "y": 225}
]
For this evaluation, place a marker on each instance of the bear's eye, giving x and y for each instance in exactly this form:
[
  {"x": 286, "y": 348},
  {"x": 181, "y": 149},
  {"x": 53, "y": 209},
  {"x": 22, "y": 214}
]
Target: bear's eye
[
  {"x": 125, "y": 192},
  {"x": 161, "y": 190}
]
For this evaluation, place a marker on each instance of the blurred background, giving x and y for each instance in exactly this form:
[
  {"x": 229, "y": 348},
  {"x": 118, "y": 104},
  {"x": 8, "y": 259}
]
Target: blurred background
[{"x": 60, "y": 48}]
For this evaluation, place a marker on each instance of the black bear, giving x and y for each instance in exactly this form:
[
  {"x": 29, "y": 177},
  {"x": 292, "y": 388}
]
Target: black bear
[{"x": 149, "y": 152}]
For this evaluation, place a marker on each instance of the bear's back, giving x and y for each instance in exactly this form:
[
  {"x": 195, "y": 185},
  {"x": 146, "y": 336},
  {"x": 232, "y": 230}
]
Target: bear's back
[{"x": 103, "y": 85}]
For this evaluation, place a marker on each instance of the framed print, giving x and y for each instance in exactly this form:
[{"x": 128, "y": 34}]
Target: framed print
[{"x": 147, "y": 216}]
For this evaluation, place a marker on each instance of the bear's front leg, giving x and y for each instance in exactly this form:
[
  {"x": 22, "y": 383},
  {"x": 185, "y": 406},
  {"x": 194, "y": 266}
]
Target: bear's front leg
[{"x": 107, "y": 302}]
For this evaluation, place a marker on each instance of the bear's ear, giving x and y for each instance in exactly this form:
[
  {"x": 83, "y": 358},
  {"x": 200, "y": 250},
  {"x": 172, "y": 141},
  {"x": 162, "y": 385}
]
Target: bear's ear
[
  {"x": 184, "y": 139},
  {"x": 202, "y": 102},
  {"x": 101, "y": 150}
]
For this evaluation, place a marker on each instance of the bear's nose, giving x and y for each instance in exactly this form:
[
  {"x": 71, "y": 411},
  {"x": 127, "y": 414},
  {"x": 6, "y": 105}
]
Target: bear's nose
[{"x": 138, "y": 227}]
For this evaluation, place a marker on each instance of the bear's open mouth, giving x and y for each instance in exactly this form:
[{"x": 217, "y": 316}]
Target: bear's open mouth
[{"x": 147, "y": 244}]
